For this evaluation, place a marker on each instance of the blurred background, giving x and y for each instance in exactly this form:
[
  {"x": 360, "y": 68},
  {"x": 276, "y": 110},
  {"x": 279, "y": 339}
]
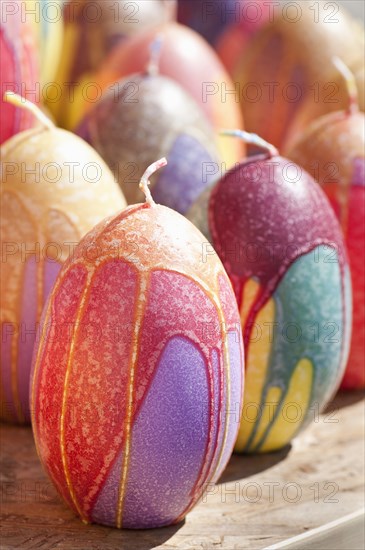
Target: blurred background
[{"x": 356, "y": 7}]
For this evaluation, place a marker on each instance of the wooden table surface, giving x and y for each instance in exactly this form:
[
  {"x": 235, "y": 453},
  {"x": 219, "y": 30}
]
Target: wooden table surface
[{"x": 259, "y": 501}]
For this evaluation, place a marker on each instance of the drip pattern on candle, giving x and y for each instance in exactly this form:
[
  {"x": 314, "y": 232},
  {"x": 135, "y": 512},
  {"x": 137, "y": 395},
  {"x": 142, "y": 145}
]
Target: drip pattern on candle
[
  {"x": 47, "y": 205},
  {"x": 150, "y": 429},
  {"x": 291, "y": 280}
]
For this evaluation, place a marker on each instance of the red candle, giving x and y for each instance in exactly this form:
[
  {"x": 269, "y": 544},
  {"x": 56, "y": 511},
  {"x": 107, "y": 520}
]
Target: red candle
[{"x": 138, "y": 409}]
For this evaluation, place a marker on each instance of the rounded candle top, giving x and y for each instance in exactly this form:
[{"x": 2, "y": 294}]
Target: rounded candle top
[
  {"x": 321, "y": 123},
  {"x": 267, "y": 203},
  {"x": 58, "y": 175}
]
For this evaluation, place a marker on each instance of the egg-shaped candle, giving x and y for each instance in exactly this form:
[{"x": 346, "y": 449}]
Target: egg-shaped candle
[
  {"x": 145, "y": 117},
  {"x": 19, "y": 68},
  {"x": 288, "y": 66},
  {"x": 187, "y": 59},
  {"x": 138, "y": 409},
  {"x": 54, "y": 188},
  {"x": 332, "y": 149},
  {"x": 281, "y": 244}
]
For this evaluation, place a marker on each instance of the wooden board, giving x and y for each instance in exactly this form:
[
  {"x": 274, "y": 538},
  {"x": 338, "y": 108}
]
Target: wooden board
[
  {"x": 344, "y": 533},
  {"x": 259, "y": 501}
]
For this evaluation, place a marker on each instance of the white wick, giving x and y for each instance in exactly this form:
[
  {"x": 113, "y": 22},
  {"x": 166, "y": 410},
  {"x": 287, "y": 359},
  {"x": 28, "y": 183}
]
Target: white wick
[
  {"x": 145, "y": 180},
  {"x": 252, "y": 139}
]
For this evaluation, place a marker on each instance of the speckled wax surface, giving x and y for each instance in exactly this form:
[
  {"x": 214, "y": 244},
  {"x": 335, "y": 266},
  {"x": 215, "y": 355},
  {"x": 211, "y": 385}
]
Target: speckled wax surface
[
  {"x": 282, "y": 247},
  {"x": 147, "y": 117},
  {"x": 54, "y": 189},
  {"x": 130, "y": 411},
  {"x": 333, "y": 150}
]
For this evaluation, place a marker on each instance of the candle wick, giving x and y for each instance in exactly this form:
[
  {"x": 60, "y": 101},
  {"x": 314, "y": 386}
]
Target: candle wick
[
  {"x": 145, "y": 180},
  {"x": 252, "y": 139},
  {"x": 351, "y": 87},
  {"x": 19, "y": 101},
  {"x": 155, "y": 55}
]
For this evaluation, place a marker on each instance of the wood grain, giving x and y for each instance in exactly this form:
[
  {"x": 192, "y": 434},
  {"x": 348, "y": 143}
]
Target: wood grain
[{"x": 259, "y": 501}]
